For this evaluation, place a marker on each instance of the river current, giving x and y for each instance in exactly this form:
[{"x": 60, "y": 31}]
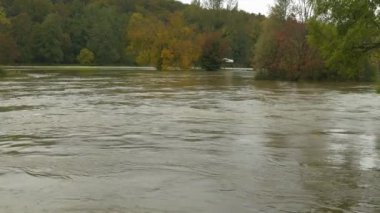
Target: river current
[{"x": 147, "y": 141}]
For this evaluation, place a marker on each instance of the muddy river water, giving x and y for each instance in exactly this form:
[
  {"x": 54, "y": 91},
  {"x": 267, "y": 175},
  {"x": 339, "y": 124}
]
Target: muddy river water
[{"x": 146, "y": 141}]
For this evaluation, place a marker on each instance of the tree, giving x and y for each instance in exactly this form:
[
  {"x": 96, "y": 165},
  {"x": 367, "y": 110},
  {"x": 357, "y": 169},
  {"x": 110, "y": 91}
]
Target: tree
[
  {"x": 219, "y": 4},
  {"x": 145, "y": 39},
  {"x": 8, "y": 49},
  {"x": 37, "y": 9},
  {"x": 213, "y": 4},
  {"x": 196, "y": 3},
  {"x": 3, "y": 18},
  {"x": 182, "y": 43},
  {"x": 232, "y": 4},
  {"x": 282, "y": 51},
  {"x": 165, "y": 46},
  {"x": 347, "y": 35},
  {"x": 86, "y": 57},
  {"x": 104, "y": 31},
  {"x": 22, "y": 32},
  {"x": 55, "y": 31},
  {"x": 303, "y": 9},
  {"x": 240, "y": 36},
  {"x": 76, "y": 29},
  {"x": 282, "y": 9},
  {"x": 214, "y": 49},
  {"x": 47, "y": 40}
]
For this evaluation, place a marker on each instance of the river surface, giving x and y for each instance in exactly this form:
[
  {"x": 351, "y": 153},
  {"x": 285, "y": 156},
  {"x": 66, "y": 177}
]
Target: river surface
[{"x": 146, "y": 141}]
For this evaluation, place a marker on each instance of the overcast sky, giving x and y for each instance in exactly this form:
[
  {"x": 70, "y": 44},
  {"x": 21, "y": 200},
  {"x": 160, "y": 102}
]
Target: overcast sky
[{"x": 253, "y": 6}]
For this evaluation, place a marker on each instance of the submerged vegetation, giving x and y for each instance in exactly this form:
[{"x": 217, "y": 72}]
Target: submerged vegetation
[{"x": 299, "y": 40}]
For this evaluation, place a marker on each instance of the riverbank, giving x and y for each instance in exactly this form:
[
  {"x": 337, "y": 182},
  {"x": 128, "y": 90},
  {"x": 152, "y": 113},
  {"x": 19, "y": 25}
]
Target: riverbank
[
  {"x": 54, "y": 68},
  {"x": 94, "y": 68}
]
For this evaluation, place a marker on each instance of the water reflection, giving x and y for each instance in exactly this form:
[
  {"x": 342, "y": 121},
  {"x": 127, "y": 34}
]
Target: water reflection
[{"x": 142, "y": 141}]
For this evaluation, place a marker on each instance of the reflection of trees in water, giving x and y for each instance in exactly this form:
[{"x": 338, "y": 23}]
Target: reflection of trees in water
[
  {"x": 334, "y": 156},
  {"x": 195, "y": 79},
  {"x": 338, "y": 175}
]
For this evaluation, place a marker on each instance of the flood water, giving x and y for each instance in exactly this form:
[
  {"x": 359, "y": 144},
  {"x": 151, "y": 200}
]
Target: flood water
[{"x": 145, "y": 141}]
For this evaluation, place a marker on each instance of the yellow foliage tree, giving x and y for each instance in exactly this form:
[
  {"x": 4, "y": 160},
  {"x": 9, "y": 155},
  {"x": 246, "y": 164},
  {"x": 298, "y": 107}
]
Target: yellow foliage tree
[
  {"x": 3, "y": 17},
  {"x": 168, "y": 45},
  {"x": 86, "y": 57}
]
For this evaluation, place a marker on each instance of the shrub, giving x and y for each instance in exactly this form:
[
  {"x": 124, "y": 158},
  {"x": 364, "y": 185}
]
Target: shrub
[{"x": 86, "y": 57}]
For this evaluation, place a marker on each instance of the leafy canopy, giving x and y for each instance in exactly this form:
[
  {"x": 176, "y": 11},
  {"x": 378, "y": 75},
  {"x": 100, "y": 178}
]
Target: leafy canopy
[{"x": 347, "y": 32}]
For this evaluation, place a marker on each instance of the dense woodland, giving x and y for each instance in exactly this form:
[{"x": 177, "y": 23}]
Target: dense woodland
[{"x": 299, "y": 40}]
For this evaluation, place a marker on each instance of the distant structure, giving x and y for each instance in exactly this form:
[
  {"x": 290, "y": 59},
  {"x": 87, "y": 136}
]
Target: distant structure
[{"x": 228, "y": 60}]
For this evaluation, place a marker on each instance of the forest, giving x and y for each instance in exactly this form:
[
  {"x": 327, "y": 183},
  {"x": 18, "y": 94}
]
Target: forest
[{"x": 298, "y": 40}]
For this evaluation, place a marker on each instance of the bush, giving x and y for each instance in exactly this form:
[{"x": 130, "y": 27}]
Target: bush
[{"x": 86, "y": 57}]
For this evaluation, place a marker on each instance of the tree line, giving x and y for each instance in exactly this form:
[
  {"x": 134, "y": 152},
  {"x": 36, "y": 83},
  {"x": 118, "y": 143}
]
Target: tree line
[
  {"x": 163, "y": 33},
  {"x": 319, "y": 40},
  {"x": 298, "y": 40}
]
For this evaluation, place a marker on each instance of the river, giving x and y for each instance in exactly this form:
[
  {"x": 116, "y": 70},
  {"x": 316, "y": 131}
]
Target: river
[{"x": 146, "y": 141}]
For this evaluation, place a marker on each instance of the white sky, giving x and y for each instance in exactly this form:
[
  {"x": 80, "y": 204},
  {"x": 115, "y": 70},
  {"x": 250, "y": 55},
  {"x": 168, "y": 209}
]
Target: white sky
[{"x": 253, "y": 6}]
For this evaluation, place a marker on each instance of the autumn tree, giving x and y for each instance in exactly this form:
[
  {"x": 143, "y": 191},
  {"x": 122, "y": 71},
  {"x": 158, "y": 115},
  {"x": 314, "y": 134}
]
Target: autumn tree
[
  {"x": 8, "y": 47},
  {"x": 214, "y": 49},
  {"x": 55, "y": 31},
  {"x": 282, "y": 51},
  {"x": 143, "y": 34},
  {"x": 164, "y": 45}
]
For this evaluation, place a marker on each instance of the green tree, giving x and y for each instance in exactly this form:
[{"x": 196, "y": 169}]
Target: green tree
[
  {"x": 3, "y": 18},
  {"x": 55, "y": 31},
  {"x": 241, "y": 30},
  {"x": 86, "y": 57},
  {"x": 37, "y": 9},
  {"x": 47, "y": 40},
  {"x": 22, "y": 32},
  {"x": 347, "y": 35},
  {"x": 76, "y": 30},
  {"x": 104, "y": 31}
]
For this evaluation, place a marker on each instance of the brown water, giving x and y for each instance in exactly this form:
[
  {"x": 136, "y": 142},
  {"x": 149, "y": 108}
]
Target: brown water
[{"x": 148, "y": 141}]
